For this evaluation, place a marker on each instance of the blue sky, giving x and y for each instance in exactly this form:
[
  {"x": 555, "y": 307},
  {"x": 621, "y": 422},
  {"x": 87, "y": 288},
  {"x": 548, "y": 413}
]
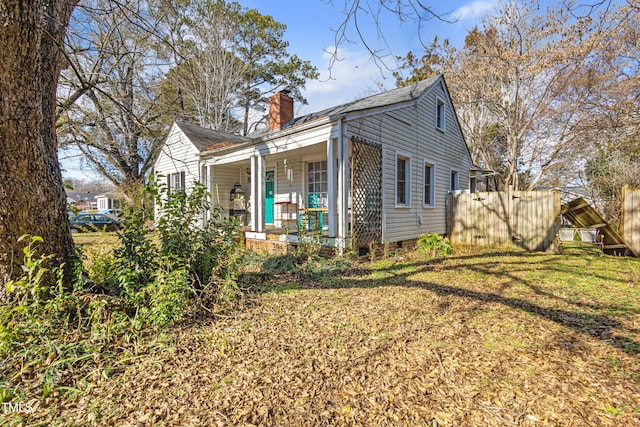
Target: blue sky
[{"x": 310, "y": 25}]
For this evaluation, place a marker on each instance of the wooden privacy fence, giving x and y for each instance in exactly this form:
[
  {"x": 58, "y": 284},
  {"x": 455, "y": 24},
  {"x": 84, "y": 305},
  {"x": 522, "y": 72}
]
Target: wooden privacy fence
[
  {"x": 525, "y": 219},
  {"x": 631, "y": 219}
]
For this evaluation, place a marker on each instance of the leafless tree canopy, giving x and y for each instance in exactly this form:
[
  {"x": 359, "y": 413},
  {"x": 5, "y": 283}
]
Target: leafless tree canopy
[
  {"x": 539, "y": 91},
  {"x": 360, "y": 15},
  {"x": 132, "y": 67}
]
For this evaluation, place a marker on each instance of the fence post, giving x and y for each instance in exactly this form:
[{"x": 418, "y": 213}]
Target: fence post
[{"x": 631, "y": 219}]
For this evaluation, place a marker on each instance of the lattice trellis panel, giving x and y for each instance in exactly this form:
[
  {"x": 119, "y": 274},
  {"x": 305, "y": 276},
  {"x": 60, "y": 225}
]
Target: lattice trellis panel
[{"x": 366, "y": 198}]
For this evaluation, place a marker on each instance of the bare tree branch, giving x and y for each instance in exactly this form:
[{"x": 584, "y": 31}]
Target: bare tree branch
[{"x": 356, "y": 12}]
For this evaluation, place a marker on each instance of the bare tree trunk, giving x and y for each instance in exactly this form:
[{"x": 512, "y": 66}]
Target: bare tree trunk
[{"x": 32, "y": 197}]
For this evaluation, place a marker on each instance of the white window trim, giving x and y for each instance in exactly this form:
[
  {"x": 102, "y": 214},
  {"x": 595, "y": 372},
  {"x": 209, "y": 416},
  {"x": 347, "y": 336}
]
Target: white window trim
[
  {"x": 441, "y": 101},
  {"x": 428, "y": 162},
  {"x": 176, "y": 182},
  {"x": 457, "y": 181},
  {"x": 407, "y": 188},
  {"x": 307, "y": 182},
  {"x": 304, "y": 189}
]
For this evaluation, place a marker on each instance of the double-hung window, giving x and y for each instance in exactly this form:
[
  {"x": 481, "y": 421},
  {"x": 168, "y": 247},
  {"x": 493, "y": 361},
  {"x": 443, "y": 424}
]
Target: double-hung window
[
  {"x": 403, "y": 168},
  {"x": 317, "y": 182},
  {"x": 428, "y": 199},
  {"x": 175, "y": 182}
]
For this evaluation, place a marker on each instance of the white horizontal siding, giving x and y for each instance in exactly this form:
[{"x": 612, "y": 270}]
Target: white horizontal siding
[
  {"x": 291, "y": 180},
  {"x": 412, "y": 132},
  {"x": 177, "y": 155},
  {"x": 288, "y": 188}
]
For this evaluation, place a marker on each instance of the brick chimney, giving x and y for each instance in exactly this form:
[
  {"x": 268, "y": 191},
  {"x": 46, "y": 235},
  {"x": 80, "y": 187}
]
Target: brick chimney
[{"x": 280, "y": 110}]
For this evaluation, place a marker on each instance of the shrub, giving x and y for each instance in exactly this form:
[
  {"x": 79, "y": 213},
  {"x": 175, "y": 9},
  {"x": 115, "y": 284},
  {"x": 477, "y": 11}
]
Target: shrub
[
  {"x": 195, "y": 234},
  {"x": 142, "y": 285},
  {"x": 167, "y": 297},
  {"x": 137, "y": 255},
  {"x": 434, "y": 244}
]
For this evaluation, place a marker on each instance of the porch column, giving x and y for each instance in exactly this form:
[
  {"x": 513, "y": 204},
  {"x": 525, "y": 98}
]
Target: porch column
[
  {"x": 215, "y": 197},
  {"x": 257, "y": 193},
  {"x": 213, "y": 200},
  {"x": 204, "y": 180},
  {"x": 332, "y": 186},
  {"x": 343, "y": 186}
]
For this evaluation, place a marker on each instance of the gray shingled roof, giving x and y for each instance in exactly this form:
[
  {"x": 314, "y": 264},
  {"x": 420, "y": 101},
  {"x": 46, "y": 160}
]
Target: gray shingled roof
[
  {"x": 390, "y": 97},
  {"x": 384, "y": 99},
  {"x": 203, "y": 137}
]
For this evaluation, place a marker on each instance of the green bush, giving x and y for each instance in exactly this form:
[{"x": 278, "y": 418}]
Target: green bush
[
  {"x": 434, "y": 244},
  {"x": 136, "y": 256},
  {"x": 194, "y": 234},
  {"x": 53, "y": 335},
  {"x": 167, "y": 297}
]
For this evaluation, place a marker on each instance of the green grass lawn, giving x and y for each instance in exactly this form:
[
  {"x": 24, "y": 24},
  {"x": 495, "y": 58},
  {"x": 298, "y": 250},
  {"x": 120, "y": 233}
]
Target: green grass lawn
[{"x": 500, "y": 338}]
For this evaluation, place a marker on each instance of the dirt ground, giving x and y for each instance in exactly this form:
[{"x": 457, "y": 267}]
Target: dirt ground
[{"x": 455, "y": 343}]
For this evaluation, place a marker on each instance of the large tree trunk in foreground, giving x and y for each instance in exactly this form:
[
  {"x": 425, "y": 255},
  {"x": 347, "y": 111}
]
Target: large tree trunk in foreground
[{"x": 32, "y": 197}]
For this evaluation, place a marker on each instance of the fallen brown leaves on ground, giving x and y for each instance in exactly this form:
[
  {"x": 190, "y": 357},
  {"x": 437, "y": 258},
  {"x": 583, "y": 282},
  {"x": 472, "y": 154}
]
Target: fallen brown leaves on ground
[{"x": 471, "y": 340}]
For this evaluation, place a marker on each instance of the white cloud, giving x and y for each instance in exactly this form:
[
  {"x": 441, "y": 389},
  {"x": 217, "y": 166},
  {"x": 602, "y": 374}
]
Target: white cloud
[
  {"x": 355, "y": 76},
  {"x": 474, "y": 10}
]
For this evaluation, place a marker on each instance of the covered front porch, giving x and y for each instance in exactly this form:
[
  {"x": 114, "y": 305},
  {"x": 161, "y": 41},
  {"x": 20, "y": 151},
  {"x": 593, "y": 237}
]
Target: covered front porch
[{"x": 325, "y": 190}]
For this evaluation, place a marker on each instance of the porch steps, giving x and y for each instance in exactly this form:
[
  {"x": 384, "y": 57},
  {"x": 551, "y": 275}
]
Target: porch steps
[{"x": 270, "y": 246}]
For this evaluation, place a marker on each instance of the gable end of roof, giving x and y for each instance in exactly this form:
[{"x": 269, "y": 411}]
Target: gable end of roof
[{"x": 203, "y": 138}]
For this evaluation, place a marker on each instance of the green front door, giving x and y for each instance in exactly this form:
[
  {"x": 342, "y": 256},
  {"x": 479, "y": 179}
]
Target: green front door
[{"x": 268, "y": 199}]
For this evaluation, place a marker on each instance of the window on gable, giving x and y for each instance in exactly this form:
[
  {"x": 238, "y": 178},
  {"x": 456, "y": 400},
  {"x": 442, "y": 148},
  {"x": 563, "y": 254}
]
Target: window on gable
[
  {"x": 440, "y": 114},
  {"x": 429, "y": 184},
  {"x": 402, "y": 180}
]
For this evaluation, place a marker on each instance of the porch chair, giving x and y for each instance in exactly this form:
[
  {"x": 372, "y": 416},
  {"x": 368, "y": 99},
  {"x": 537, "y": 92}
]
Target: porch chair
[{"x": 314, "y": 200}]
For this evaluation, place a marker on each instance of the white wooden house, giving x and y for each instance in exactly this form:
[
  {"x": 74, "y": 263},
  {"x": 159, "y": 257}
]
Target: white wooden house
[
  {"x": 373, "y": 170},
  {"x": 109, "y": 200}
]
